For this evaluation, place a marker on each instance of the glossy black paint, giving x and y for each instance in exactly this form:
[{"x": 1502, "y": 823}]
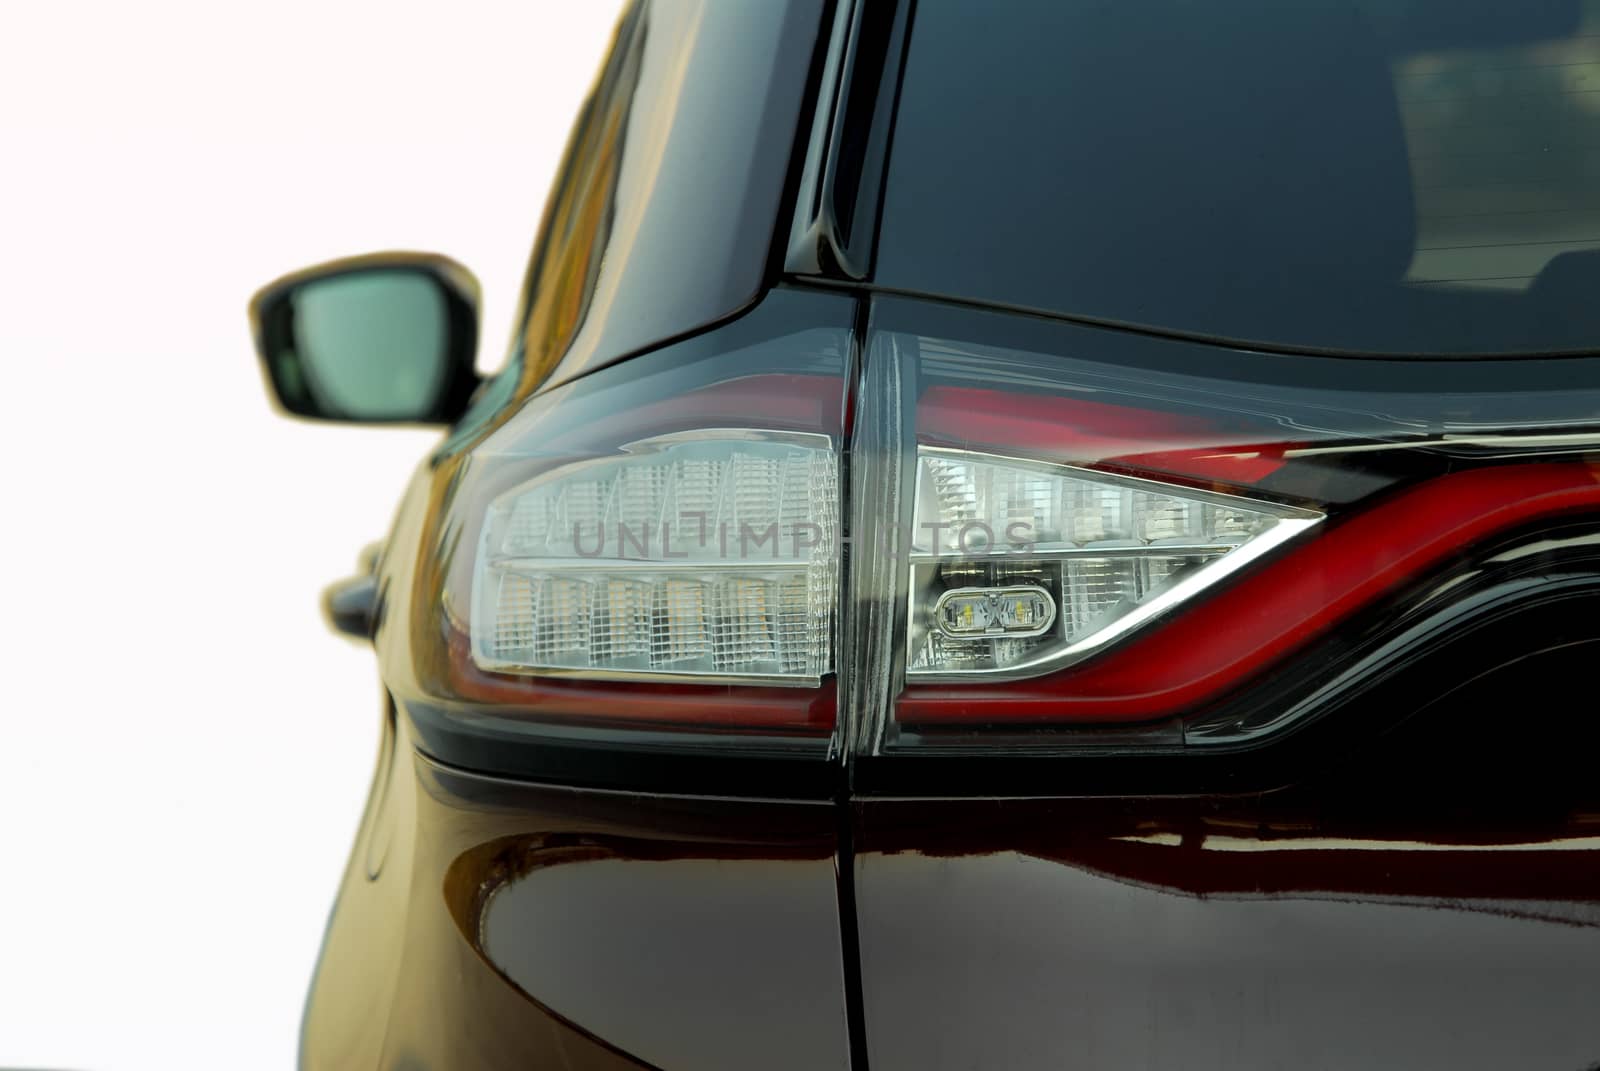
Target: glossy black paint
[
  {"x": 836, "y": 206},
  {"x": 687, "y": 931},
  {"x": 1428, "y": 897},
  {"x": 1412, "y": 881},
  {"x": 664, "y": 217},
  {"x": 487, "y": 923}
]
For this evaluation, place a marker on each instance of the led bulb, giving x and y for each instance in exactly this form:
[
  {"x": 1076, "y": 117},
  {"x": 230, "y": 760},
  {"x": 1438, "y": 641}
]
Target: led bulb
[{"x": 964, "y": 612}]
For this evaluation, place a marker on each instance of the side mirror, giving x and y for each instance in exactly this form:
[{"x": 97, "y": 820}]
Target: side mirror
[{"x": 381, "y": 339}]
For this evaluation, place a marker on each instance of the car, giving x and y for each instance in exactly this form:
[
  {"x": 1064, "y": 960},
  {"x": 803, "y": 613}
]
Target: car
[{"x": 1022, "y": 535}]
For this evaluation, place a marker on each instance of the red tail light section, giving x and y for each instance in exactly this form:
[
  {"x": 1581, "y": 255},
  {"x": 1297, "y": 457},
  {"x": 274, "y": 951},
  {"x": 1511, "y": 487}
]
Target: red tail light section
[
  {"x": 1255, "y": 621},
  {"x": 1196, "y": 518},
  {"x": 1177, "y": 444}
]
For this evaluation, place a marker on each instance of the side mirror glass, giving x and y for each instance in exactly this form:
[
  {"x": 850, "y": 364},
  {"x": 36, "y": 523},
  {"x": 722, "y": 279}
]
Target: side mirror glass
[{"x": 382, "y": 339}]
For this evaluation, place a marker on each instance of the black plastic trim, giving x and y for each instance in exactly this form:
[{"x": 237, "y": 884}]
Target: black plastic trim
[
  {"x": 837, "y": 205},
  {"x": 633, "y": 759},
  {"x": 1274, "y": 349}
]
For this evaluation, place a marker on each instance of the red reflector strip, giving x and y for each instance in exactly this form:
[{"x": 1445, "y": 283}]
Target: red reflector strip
[
  {"x": 1083, "y": 432},
  {"x": 1255, "y": 620}
]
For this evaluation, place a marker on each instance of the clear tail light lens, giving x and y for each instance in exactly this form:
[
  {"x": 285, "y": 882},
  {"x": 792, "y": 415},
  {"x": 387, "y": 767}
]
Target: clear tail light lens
[
  {"x": 700, "y": 556},
  {"x": 656, "y": 545},
  {"x": 1019, "y": 568},
  {"x": 1109, "y": 539}
]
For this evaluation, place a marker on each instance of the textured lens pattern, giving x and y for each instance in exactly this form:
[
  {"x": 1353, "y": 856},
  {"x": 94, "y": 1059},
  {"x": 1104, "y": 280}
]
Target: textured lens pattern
[
  {"x": 700, "y": 557},
  {"x": 667, "y": 623},
  {"x": 1101, "y": 546},
  {"x": 741, "y": 505},
  {"x": 966, "y": 504}
]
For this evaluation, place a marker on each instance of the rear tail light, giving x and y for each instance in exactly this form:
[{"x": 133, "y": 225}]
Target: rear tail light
[
  {"x": 1078, "y": 535},
  {"x": 1255, "y": 621},
  {"x": 656, "y": 545},
  {"x": 1108, "y": 537}
]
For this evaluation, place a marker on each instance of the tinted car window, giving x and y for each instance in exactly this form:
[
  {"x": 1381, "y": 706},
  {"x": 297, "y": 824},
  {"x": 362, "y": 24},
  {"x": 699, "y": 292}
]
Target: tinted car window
[{"x": 1349, "y": 175}]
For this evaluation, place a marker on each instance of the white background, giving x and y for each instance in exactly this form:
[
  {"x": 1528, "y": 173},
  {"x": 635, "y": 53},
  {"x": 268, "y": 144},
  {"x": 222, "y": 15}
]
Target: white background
[{"x": 184, "y": 748}]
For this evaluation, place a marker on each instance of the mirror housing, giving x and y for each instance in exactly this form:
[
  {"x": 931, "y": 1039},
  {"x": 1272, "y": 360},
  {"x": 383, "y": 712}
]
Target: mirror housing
[{"x": 387, "y": 338}]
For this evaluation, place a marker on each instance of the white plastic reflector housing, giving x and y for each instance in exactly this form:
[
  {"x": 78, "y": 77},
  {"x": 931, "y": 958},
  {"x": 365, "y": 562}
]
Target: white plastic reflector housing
[
  {"x": 705, "y": 556},
  {"x": 994, "y": 536}
]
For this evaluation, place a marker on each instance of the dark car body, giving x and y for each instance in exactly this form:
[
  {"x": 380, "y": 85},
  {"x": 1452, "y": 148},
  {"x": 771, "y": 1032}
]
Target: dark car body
[{"x": 1411, "y": 878}]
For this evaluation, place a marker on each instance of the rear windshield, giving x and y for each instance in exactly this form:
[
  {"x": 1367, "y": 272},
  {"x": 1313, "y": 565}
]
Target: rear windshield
[{"x": 1381, "y": 176}]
